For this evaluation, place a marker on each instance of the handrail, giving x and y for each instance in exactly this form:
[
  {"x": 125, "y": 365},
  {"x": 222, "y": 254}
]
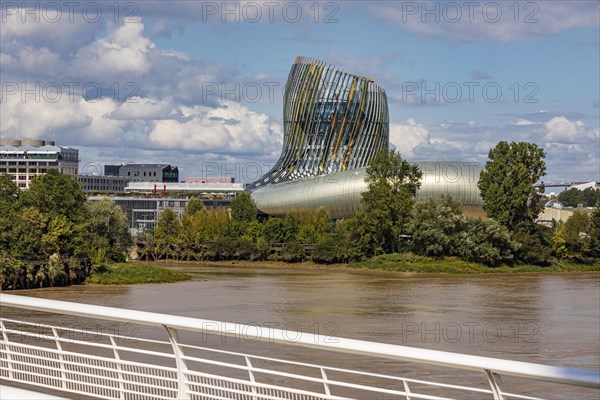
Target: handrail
[{"x": 569, "y": 376}]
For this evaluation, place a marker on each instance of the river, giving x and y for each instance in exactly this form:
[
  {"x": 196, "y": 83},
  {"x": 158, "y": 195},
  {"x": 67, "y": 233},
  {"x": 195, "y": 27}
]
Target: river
[{"x": 541, "y": 318}]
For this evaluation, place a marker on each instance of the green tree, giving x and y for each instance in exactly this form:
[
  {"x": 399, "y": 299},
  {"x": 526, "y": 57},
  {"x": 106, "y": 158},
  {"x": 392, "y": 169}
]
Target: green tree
[
  {"x": 594, "y": 249},
  {"x": 274, "y": 230},
  {"x": 591, "y": 197},
  {"x": 193, "y": 206},
  {"x": 507, "y": 184},
  {"x": 435, "y": 226},
  {"x": 56, "y": 194},
  {"x": 571, "y": 197},
  {"x": 572, "y": 239},
  {"x": 243, "y": 208},
  {"x": 386, "y": 204},
  {"x": 167, "y": 227},
  {"x": 9, "y": 192},
  {"x": 109, "y": 226},
  {"x": 312, "y": 225},
  {"x": 487, "y": 242}
]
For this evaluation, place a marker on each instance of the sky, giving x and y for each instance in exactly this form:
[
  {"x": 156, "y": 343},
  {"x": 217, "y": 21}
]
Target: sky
[{"x": 199, "y": 84}]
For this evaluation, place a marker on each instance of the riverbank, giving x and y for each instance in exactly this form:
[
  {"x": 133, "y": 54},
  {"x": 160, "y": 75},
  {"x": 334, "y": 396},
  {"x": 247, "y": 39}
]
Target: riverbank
[
  {"x": 408, "y": 263},
  {"x": 134, "y": 273}
]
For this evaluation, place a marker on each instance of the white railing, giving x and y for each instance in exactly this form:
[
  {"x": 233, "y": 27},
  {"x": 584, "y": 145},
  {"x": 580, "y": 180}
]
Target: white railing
[{"x": 101, "y": 364}]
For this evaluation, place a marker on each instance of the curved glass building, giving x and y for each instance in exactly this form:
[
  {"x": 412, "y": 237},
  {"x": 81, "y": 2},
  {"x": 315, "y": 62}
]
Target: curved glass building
[
  {"x": 332, "y": 121},
  {"x": 334, "y": 124}
]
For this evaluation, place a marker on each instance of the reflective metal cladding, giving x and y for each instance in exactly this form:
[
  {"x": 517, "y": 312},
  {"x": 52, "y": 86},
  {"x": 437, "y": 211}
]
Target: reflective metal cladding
[
  {"x": 334, "y": 124},
  {"x": 333, "y": 121}
]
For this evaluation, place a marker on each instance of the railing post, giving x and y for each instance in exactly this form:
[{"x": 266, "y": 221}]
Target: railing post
[
  {"x": 406, "y": 389},
  {"x": 251, "y": 375},
  {"x": 324, "y": 376},
  {"x": 63, "y": 375},
  {"x": 8, "y": 356},
  {"x": 495, "y": 382},
  {"x": 182, "y": 386},
  {"x": 119, "y": 368}
]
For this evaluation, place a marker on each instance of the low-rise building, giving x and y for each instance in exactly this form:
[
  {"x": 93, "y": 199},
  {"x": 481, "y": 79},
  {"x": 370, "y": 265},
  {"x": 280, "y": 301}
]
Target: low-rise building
[
  {"x": 211, "y": 179},
  {"x": 25, "y": 159},
  {"x": 143, "y": 212},
  {"x": 144, "y": 172},
  {"x": 209, "y": 189},
  {"x": 103, "y": 183}
]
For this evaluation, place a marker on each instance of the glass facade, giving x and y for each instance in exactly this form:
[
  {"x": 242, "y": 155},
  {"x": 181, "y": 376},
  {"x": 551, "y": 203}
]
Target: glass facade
[{"x": 333, "y": 121}]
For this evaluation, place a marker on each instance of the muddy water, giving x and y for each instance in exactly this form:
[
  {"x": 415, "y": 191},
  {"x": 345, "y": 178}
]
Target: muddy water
[{"x": 549, "y": 319}]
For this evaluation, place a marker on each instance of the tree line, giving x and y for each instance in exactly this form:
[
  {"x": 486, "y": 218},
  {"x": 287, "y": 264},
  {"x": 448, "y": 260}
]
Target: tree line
[
  {"x": 390, "y": 221},
  {"x": 50, "y": 235}
]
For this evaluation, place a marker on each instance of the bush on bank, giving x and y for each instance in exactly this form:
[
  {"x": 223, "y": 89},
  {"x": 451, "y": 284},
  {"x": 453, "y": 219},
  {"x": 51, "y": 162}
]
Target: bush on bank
[{"x": 128, "y": 274}]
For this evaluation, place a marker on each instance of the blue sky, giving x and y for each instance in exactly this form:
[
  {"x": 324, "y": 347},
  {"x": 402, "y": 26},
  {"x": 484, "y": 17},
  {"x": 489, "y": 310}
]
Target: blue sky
[{"x": 154, "y": 83}]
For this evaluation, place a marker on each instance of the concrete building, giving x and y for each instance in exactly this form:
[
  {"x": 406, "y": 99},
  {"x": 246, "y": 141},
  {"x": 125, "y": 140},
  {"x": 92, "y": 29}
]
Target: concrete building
[
  {"x": 103, "y": 183},
  {"x": 209, "y": 180},
  {"x": 25, "y": 159},
  {"x": 144, "y": 172},
  {"x": 214, "y": 189},
  {"x": 554, "y": 210}
]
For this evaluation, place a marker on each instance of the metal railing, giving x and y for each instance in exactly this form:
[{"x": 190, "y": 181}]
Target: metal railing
[{"x": 114, "y": 365}]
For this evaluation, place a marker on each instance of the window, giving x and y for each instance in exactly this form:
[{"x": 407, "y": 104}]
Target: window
[
  {"x": 13, "y": 170},
  {"x": 22, "y": 170},
  {"x": 128, "y": 173}
]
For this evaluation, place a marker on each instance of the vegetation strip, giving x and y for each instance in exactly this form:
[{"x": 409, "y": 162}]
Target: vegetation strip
[
  {"x": 129, "y": 274},
  {"x": 407, "y": 262}
]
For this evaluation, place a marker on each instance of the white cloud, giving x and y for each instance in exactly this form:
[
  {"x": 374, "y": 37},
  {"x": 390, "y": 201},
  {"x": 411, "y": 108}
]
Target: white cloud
[
  {"x": 524, "y": 122},
  {"x": 232, "y": 128},
  {"x": 123, "y": 51},
  {"x": 560, "y": 129},
  {"x": 408, "y": 135}
]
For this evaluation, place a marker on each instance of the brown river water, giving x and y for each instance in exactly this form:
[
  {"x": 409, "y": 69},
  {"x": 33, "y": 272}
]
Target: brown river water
[{"x": 541, "y": 318}]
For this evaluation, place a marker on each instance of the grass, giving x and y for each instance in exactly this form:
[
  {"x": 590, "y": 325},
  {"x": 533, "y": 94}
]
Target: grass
[
  {"x": 407, "y": 262},
  {"x": 129, "y": 274}
]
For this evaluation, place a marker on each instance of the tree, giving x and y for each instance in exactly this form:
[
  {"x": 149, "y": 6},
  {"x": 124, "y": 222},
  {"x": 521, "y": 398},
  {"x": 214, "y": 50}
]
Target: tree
[
  {"x": 56, "y": 194},
  {"x": 591, "y": 197},
  {"x": 313, "y": 225},
  {"x": 594, "y": 249},
  {"x": 572, "y": 239},
  {"x": 193, "y": 206},
  {"x": 386, "y": 205},
  {"x": 9, "y": 192},
  {"x": 435, "y": 226},
  {"x": 487, "y": 242},
  {"x": 109, "y": 228},
  {"x": 571, "y": 197},
  {"x": 507, "y": 184},
  {"x": 243, "y": 208},
  {"x": 167, "y": 226},
  {"x": 274, "y": 230}
]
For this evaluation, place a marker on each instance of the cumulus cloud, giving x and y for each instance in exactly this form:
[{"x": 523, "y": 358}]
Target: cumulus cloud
[
  {"x": 123, "y": 51},
  {"x": 232, "y": 128},
  {"x": 560, "y": 129},
  {"x": 407, "y": 135}
]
